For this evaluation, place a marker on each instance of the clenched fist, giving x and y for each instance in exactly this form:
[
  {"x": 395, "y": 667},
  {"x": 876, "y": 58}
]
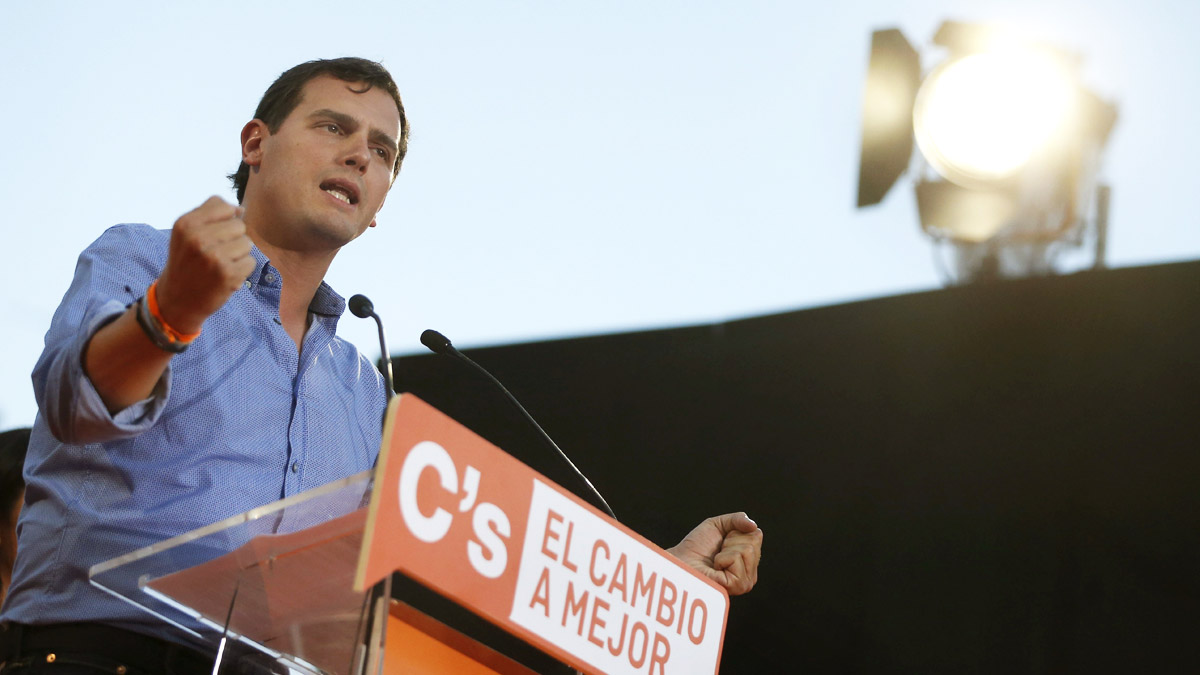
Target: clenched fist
[
  {"x": 726, "y": 549},
  {"x": 208, "y": 260}
]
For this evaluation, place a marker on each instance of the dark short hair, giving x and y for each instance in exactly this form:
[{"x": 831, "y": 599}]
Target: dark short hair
[
  {"x": 13, "y": 444},
  {"x": 282, "y": 97}
]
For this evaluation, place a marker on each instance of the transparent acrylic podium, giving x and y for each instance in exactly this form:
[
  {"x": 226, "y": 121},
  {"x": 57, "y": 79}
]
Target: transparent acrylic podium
[{"x": 272, "y": 586}]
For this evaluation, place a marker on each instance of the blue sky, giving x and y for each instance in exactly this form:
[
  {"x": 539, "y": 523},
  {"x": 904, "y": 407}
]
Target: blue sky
[{"x": 575, "y": 167}]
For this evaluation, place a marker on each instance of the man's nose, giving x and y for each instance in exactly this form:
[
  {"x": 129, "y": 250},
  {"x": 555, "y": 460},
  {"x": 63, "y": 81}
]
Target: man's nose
[{"x": 357, "y": 153}]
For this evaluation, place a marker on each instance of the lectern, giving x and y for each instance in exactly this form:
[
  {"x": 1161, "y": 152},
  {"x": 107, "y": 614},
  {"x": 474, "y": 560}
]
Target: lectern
[{"x": 303, "y": 584}]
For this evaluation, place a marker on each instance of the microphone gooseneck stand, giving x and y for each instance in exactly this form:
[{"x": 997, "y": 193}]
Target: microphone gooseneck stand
[
  {"x": 440, "y": 344},
  {"x": 368, "y": 651}
]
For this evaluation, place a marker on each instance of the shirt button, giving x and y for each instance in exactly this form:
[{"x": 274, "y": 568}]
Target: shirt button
[
  {"x": 296, "y": 466},
  {"x": 269, "y": 278},
  {"x": 246, "y": 284}
]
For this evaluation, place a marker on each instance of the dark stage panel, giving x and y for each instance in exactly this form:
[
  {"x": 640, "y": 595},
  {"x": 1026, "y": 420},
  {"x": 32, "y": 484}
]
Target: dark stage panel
[{"x": 986, "y": 479}]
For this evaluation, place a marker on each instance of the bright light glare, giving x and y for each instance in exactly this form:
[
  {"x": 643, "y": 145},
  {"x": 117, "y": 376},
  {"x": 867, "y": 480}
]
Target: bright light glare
[{"x": 979, "y": 119}]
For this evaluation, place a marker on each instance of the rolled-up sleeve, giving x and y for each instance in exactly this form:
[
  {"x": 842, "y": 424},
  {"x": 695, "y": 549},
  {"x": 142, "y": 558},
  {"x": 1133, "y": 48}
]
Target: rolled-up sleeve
[{"x": 111, "y": 273}]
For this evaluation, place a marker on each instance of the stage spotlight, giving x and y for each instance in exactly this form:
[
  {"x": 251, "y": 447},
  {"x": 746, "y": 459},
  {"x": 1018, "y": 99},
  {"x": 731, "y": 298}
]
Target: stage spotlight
[
  {"x": 981, "y": 118},
  {"x": 887, "y": 125},
  {"x": 1009, "y": 144}
]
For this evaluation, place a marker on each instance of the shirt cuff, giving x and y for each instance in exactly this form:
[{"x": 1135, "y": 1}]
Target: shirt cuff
[{"x": 92, "y": 414}]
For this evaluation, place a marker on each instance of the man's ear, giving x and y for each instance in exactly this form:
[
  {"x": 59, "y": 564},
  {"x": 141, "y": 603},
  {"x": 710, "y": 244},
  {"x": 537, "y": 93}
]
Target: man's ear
[
  {"x": 373, "y": 220},
  {"x": 253, "y": 135}
]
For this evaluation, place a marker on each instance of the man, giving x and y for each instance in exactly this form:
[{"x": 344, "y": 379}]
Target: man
[{"x": 193, "y": 374}]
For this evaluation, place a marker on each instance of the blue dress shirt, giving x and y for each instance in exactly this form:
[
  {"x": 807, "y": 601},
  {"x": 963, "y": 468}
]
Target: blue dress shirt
[{"x": 239, "y": 420}]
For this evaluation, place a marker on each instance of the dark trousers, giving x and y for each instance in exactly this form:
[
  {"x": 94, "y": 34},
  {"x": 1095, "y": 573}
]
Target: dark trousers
[{"x": 93, "y": 648}]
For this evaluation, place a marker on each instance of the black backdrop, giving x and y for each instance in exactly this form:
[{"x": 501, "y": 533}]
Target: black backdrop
[{"x": 996, "y": 478}]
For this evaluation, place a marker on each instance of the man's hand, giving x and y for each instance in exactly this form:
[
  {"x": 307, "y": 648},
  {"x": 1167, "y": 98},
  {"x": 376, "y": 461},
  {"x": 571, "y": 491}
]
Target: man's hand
[
  {"x": 725, "y": 549},
  {"x": 209, "y": 258}
]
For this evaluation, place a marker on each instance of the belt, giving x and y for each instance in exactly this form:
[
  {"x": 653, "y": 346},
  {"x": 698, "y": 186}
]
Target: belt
[{"x": 110, "y": 649}]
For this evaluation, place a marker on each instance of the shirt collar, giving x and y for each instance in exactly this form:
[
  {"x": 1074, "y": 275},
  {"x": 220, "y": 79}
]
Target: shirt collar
[{"x": 326, "y": 301}]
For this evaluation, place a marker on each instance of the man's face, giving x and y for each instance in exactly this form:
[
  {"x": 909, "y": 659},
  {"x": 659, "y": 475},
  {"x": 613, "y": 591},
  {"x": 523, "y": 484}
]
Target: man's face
[{"x": 318, "y": 180}]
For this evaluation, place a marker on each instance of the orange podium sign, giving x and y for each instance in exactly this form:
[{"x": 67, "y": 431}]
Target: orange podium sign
[{"x": 470, "y": 521}]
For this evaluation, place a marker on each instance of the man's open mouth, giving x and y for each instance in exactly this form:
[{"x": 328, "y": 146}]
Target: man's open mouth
[{"x": 343, "y": 192}]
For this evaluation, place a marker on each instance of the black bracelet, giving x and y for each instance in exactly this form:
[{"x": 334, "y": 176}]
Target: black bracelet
[{"x": 150, "y": 327}]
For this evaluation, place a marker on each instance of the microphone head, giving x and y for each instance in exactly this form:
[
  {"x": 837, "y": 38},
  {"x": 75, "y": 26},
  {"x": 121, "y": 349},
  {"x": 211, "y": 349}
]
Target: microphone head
[
  {"x": 361, "y": 307},
  {"x": 436, "y": 342}
]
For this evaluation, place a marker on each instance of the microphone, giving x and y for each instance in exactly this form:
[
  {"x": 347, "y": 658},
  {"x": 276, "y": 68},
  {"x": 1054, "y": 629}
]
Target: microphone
[
  {"x": 361, "y": 307},
  {"x": 440, "y": 344}
]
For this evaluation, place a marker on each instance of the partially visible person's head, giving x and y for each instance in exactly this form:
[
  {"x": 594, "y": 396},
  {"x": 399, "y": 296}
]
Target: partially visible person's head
[
  {"x": 282, "y": 97},
  {"x": 13, "y": 445}
]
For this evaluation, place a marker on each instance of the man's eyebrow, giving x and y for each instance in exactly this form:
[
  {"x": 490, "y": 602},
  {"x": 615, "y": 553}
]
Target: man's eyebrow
[
  {"x": 351, "y": 125},
  {"x": 381, "y": 138},
  {"x": 341, "y": 118}
]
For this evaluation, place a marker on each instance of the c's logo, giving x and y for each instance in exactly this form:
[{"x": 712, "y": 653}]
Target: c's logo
[{"x": 486, "y": 550}]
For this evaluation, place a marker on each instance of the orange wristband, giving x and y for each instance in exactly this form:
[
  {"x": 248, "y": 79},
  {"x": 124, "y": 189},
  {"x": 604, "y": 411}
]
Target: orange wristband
[{"x": 171, "y": 333}]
